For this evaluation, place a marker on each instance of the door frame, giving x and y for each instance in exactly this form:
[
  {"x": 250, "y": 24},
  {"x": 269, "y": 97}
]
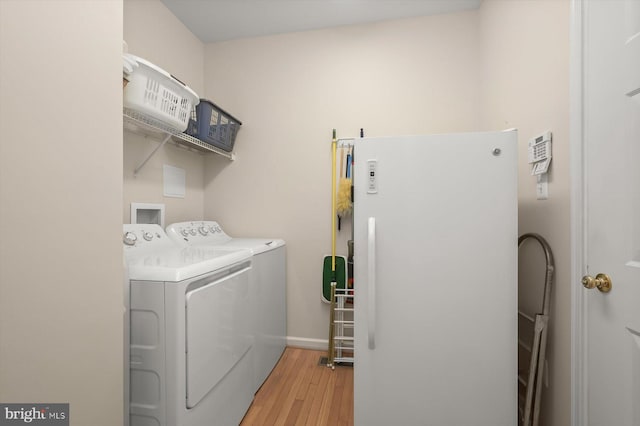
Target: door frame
[{"x": 578, "y": 216}]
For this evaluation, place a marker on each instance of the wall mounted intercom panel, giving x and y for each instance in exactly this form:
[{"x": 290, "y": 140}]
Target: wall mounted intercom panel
[{"x": 539, "y": 154}]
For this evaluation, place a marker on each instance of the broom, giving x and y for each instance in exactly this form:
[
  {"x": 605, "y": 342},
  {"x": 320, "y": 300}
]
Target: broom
[{"x": 333, "y": 266}]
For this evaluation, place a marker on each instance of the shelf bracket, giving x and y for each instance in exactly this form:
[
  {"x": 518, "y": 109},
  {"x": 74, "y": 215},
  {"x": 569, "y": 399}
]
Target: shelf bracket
[{"x": 164, "y": 141}]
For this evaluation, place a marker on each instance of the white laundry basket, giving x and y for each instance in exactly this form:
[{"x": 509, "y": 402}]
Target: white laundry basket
[{"x": 154, "y": 92}]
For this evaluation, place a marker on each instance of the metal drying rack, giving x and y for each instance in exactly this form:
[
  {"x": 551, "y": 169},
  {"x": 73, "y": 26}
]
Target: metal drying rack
[{"x": 341, "y": 317}]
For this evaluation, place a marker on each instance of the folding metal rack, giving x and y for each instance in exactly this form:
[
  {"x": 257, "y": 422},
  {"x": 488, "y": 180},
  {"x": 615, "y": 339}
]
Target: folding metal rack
[{"x": 530, "y": 409}]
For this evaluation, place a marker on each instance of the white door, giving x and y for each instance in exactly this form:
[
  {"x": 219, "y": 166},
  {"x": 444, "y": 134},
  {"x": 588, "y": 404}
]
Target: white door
[{"x": 611, "y": 126}]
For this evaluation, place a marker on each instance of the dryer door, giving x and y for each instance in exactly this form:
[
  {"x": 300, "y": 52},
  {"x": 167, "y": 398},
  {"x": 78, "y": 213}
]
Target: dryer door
[{"x": 217, "y": 332}]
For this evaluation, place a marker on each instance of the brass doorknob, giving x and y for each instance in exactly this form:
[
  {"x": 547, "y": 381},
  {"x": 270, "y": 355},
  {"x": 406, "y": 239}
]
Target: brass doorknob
[{"x": 601, "y": 281}]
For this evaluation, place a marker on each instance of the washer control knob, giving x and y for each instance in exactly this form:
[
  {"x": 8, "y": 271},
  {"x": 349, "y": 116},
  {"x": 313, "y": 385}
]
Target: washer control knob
[
  {"x": 193, "y": 231},
  {"x": 218, "y": 229},
  {"x": 184, "y": 232},
  {"x": 129, "y": 238},
  {"x": 148, "y": 236},
  {"x": 203, "y": 230},
  {"x": 213, "y": 229}
]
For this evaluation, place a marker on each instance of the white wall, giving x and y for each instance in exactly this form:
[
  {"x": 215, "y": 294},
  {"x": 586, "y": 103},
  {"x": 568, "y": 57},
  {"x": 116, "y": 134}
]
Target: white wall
[
  {"x": 525, "y": 84},
  {"x": 399, "y": 77},
  {"x": 155, "y": 34},
  {"x": 61, "y": 274}
]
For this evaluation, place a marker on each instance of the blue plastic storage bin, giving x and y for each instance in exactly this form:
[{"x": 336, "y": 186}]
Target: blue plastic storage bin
[{"x": 213, "y": 125}]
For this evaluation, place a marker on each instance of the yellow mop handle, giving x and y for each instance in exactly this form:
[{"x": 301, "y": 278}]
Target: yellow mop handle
[
  {"x": 330, "y": 358},
  {"x": 334, "y": 146}
]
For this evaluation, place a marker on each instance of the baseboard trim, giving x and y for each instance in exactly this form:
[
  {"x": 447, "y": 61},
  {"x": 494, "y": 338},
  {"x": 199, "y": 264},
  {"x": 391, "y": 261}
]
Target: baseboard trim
[{"x": 305, "y": 343}]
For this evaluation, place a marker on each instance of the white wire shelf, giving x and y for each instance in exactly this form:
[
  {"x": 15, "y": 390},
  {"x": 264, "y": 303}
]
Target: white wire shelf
[{"x": 136, "y": 121}]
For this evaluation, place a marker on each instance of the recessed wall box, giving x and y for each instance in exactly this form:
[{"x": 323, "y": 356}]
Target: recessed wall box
[{"x": 147, "y": 213}]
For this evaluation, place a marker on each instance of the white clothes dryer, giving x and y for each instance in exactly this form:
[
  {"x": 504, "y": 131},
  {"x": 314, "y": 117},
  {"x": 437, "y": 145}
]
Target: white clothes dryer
[
  {"x": 191, "y": 358},
  {"x": 268, "y": 284}
]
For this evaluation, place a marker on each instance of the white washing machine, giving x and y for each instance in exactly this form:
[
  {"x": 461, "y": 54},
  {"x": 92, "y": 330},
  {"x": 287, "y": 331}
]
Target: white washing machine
[
  {"x": 268, "y": 284},
  {"x": 191, "y": 357}
]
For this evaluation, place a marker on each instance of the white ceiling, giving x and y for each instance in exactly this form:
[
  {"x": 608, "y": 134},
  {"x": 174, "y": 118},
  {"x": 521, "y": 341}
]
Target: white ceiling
[{"x": 218, "y": 20}]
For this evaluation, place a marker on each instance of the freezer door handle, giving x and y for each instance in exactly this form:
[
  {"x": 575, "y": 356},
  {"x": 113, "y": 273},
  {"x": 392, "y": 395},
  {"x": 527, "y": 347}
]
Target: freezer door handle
[{"x": 371, "y": 282}]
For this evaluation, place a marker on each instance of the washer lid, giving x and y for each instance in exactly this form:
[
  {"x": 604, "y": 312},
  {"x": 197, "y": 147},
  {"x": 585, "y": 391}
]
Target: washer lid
[
  {"x": 256, "y": 245},
  {"x": 181, "y": 263},
  {"x": 152, "y": 256}
]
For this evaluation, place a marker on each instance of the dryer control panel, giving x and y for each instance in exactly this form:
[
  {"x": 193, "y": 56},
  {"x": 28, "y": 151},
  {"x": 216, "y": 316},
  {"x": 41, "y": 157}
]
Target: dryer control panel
[{"x": 205, "y": 231}]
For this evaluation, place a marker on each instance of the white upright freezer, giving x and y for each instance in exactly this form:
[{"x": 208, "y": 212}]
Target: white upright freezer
[{"x": 435, "y": 264}]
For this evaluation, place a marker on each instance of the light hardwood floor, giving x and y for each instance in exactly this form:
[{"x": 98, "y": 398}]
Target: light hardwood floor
[{"x": 299, "y": 391}]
